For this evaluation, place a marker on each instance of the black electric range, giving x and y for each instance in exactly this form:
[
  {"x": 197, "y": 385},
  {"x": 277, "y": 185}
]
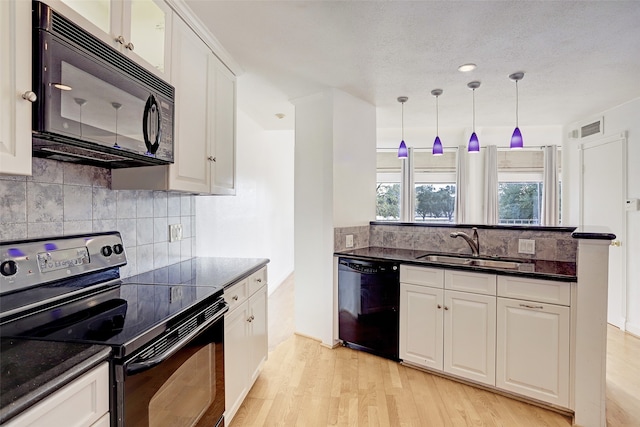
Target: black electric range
[{"x": 68, "y": 289}]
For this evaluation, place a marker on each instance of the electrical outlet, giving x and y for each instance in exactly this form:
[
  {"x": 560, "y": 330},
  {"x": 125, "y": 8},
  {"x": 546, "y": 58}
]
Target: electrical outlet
[
  {"x": 527, "y": 246},
  {"x": 175, "y": 232},
  {"x": 349, "y": 242}
]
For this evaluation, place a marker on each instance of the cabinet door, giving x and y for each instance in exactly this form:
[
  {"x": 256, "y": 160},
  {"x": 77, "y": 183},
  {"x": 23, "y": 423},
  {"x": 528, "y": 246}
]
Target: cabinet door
[
  {"x": 533, "y": 350},
  {"x": 223, "y": 129},
  {"x": 140, "y": 29},
  {"x": 258, "y": 345},
  {"x": 421, "y": 332},
  {"x": 236, "y": 358},
  {"x": 15, "y": 80},
  {"x": 146, "y": 26},
  {"x": 470, "y": 336},
  {"x": 190, "y": 57}
]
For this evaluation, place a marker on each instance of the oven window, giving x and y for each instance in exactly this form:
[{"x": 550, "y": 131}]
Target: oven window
[{"x": 187, "y": 394}]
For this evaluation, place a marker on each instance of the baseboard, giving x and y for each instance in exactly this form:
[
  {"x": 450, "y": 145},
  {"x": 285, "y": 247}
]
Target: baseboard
[{"x": 633, "y": 329}]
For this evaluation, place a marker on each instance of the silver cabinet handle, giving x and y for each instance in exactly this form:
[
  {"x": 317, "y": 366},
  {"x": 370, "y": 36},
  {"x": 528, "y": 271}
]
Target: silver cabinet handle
[
  {"x": 250, "y": 318},
  {"x": 537, "y": 307},
  {"x": 129, "y": 46},
  {"x": 30, "y": 96},
  {"x": 235, "y": 297},
  {"x": 259, "y": 280},
  {"x": 211, "y": 159},
  {"x": 120, "y": 39},
  {"x": 439, "y": 306},
  {"x": 446, "y": 308}
]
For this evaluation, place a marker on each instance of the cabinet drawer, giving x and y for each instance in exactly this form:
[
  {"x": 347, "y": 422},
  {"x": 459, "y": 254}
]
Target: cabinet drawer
[
  {"x": 237, "y": 294},
  {"x": 535, "y": 290},
  {"x": 478, "y": 283},
  {"x": 424, "y": 276},
  {"x": 257, "y": 280}
]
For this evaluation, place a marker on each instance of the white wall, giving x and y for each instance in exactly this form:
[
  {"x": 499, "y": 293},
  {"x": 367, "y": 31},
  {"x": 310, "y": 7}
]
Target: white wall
[
  {"x": 623, "y": 118},
  {"x": 258, "y": 221},
  {"x": 335, "y": 151},
  {"x": 354, "y": 161}
]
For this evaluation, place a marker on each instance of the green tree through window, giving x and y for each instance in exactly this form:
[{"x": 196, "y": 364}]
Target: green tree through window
[{"x": 388, "y": 201}]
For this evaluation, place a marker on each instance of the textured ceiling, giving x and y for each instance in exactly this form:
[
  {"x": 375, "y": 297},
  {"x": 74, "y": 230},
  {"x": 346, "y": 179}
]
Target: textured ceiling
[{"x": 580, "y": 57}]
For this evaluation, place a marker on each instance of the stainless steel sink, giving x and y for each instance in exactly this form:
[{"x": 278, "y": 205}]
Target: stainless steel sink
[
  {"x": 447, "y": 259},
  {"x": 477, "y": 262}
]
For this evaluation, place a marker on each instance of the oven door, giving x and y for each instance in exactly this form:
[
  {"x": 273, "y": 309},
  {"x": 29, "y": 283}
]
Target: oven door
[{"x": 182, "y": 385}]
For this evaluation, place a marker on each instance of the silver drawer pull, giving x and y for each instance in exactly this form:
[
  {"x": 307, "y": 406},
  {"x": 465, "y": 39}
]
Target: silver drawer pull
[
  {"x": 259, "y": 280},
  {"x": 537, "y": 307},
  {"x": 235, "y": 297}
]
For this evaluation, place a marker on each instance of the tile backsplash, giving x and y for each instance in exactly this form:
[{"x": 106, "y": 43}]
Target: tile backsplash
[
  {"x": 549, "y": 244},
  {"x": 64, "y": 198}
]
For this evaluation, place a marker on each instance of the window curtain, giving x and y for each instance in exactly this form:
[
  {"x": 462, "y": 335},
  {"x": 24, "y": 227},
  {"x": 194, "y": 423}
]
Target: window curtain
[
  {"x": 491, "y": 185},
  {"x": 550, "y": 186},
  {"x": 461, "y": 185}
]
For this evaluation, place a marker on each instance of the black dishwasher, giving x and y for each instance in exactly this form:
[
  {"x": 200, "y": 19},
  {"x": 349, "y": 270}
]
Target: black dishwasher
[{"x": 368, "y": 302}]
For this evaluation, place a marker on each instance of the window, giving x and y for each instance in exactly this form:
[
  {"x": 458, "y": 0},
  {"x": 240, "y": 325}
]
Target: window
[
  {"x": 434, "y": 189},
  {"x": 434, "y": 186},
  {"x": 388, "y": 185},
  {"x": 520, "y": 186}
]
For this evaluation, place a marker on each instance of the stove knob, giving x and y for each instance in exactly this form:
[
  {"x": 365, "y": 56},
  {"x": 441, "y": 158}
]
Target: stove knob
[
  {"x": 118, "y": 249},
  {"x": 8, "y": 268},
  {"x": 106, "y": 250}
]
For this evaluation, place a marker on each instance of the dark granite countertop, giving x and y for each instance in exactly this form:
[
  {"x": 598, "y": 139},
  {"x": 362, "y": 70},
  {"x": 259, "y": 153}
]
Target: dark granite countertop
[
  {"x": 31, "y": 370},
  {"x": 536, "y": 269}
]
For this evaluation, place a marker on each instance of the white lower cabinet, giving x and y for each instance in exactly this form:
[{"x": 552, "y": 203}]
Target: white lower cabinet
[
  {"x": 470, "y": 336},
  {"x": 82, "y": 403},
  {"x": 509, "y": 332},
  {"x": 421, "y": 325},
  {"x": 445, "y": 329},
  {"x": 245, "y": 338},
  {"x": 533, "y": 350}
]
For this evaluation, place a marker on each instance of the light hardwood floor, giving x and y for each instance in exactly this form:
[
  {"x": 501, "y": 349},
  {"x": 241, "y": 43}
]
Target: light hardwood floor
[{"x": 306, "y": 384}]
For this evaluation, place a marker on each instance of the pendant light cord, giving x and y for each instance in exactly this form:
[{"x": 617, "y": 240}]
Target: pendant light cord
[
  {"x": 517, "y": 103},
  {"x": 402, "y": 115},
  {"x": 437, "y": 118},
  {"x": 474, "y": 110}
]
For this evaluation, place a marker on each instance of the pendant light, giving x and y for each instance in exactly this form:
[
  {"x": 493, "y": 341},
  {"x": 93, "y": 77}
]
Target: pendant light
[
  {"x": 402, "y": 150},
  {"x": 437, "y": 144},
  {"x": 516, "y": 138},
  {"x": 474, "y": 144}
]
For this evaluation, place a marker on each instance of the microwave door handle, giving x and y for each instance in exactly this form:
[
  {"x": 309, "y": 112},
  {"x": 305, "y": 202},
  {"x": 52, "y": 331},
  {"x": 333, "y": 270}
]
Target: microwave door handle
[{"x": 137, "y": 367}]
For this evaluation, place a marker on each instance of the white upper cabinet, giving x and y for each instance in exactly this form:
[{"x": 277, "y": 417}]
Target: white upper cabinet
[
  {"x": 205, "y": 124},
  {"x": 15, "y": 87},
  {"x": 141, "y": 29}
]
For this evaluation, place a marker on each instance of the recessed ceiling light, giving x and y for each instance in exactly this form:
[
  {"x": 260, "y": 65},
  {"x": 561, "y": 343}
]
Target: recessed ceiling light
[{"x": 465, "y": 68}]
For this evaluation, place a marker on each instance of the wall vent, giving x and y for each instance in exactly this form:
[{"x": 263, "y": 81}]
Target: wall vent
[{"x": 594, "y": 128}]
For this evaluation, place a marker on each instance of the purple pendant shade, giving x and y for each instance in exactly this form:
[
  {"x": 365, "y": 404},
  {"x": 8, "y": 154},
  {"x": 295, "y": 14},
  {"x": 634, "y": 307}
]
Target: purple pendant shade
[
  {"x": 474, "y": 144},
  {"x": 437, "y": 147},
  {"x": 516, "y": 139},
  {"x": 402, "y": 150}
]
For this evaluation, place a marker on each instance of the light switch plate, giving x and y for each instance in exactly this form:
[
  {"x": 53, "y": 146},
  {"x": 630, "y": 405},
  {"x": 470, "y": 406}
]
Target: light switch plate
[
  {"x": 175, "y": 232},
  {"x": 349, "y": 242},
  {"x": 527, "y": 246}
]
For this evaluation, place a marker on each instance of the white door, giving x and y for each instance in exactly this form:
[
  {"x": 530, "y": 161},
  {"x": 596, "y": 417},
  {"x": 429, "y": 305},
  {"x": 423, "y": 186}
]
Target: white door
[
  {"x": 533, "y": 350},
  {"x": 470, "y": 336},
  {"x": 421, "y": 330},
  {"x": 603, "y": 189}
]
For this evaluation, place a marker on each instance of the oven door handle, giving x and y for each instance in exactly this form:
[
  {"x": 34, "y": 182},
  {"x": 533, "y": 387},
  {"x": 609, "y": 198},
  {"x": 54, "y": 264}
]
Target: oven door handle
[{"x": 137, "y": 367}]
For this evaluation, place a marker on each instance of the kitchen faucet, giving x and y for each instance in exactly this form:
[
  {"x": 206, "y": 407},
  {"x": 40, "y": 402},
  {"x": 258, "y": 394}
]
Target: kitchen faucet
[{"x": 474, "y": 243}]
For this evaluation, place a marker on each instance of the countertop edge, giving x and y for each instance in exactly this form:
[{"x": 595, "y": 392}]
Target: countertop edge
[
  {"x": 500, "y": 272},
  {"x": 45, "y": 390}
]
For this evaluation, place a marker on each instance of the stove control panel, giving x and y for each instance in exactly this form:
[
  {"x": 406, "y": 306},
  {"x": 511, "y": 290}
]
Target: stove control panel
[{"x": 38, "y": 261}]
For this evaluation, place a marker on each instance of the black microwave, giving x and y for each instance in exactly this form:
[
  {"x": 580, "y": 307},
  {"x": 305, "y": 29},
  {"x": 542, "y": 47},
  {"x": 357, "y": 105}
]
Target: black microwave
[{"x": 93, "y": 104}]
